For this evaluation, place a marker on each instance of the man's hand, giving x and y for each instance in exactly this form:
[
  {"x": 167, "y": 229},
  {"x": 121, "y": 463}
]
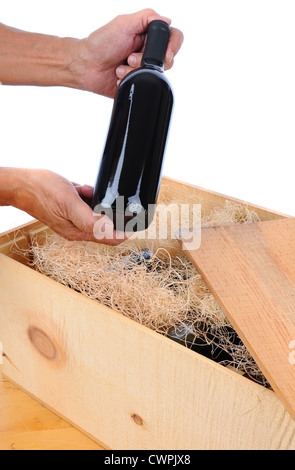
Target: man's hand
[
  {"x": 108, "y": 54},
  {"x": 56, "y": 202},
  {"x": 96, "y": 63}
]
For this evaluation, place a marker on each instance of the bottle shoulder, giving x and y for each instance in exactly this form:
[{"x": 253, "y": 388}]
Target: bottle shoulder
[{"x": 145, "y": 73}]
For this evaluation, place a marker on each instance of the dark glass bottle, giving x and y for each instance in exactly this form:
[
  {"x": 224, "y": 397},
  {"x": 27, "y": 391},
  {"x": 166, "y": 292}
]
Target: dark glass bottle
[{"x": 129, "y": 176}]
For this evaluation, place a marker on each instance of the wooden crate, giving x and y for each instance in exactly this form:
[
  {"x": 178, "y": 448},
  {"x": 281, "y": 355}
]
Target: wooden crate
[{"x": 118, "y": 381}]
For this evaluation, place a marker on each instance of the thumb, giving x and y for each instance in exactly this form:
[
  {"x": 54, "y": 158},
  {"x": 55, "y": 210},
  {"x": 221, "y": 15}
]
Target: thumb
[{"x": 81, "y": 215}]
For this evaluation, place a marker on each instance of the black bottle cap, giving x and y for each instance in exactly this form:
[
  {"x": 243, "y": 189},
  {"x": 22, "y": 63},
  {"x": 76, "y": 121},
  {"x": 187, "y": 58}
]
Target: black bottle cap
[{"x": 158, "y": 33}]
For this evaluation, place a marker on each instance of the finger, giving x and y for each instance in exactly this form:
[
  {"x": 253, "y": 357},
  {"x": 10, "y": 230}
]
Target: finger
[
  {"x": 72, "y": 233},
  {"x": 114, "y": 241},
  {"x": 154, "y": 16},
  {"x": 134, "y": 60},
  {"x": 122, "y": 71},
  {"x": 140, "y": 20},
  {"x": 145, "y": 17},
  {"x": 85, "y": 190},
  {"x": 117, "y": 240},
  {"x": 82, "y": 224},
  {"x": 105, "y": 233},
  {"x": 91, "y": 227},
  {"x": 79, "y": 213},
  {"x": 174, "y": 44},
  {"x": 169, "y": 65}
]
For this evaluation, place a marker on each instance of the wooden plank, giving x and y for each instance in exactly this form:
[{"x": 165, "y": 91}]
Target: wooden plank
[
  {"x": 174, "y": 189},
  {"x": 9, "y": 235},
  {"x": 224, "y": 412},
  {"x": 122, "y": 383},
  {"x": 210, "y": 200},
  {"x": 26, "y": 425},
  {"x": 251, "y": 271},
  {"x": 19, "y": 239}
]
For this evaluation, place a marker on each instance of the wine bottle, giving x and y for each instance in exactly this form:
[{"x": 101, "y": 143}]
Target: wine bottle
[
  {"x": 206, "y": 344},
  {"x": 130, "y": 171}
]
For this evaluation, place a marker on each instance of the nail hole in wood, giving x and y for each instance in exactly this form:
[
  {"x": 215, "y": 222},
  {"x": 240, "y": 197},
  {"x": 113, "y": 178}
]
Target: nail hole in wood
[{"x": 137, "y": 419}]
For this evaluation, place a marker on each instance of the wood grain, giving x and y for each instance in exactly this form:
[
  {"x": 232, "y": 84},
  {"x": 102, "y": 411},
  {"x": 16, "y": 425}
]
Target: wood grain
[
  {"x": 26, "y": 425},
  {"x": 119, "y": 382},
  {"x": 210, "y": 200},
  {"x": 123, "y": 384},
  {"x": 251, "y": 271}
]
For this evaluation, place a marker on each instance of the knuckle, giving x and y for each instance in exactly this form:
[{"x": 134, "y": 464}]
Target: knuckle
[{"x": 149, "y": 11}]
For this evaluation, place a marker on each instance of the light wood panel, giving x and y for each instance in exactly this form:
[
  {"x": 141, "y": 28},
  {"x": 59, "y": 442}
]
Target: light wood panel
[
  {"x": 210, "y": 200},
  {"x": 18, "y": 238},
  {"x": 250, "y": 269},
  {"x": 120, "y": 382},
  {"x": 26, "y": 425}
]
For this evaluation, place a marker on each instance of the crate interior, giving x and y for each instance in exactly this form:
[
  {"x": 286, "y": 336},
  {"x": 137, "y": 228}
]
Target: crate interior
[{"x": 22, "y": 238}]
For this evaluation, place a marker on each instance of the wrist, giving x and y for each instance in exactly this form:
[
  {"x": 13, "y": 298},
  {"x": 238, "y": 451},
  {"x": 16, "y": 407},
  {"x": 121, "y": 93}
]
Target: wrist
[
  {"x": 18, "y": 187},
  {"x": 72, "y": 72},
  {"x": 55, "y": 62},
  {"x": 10, "y": 184},
  {"x": 69, "y": 70}
]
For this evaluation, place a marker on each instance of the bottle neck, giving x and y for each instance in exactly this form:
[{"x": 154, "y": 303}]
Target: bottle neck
[
  {"x": 156, "y": 44},
  {"x": 153, "y": 66}
]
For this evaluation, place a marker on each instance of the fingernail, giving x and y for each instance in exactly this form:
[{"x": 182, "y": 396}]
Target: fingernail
[
  {"x": 132, "y": 61},
  {"x": 169, "y": 57},
  {"x": 86, "y": 186}
]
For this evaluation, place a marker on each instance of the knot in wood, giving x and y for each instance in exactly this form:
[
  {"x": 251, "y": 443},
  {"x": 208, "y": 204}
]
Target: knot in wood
[{"x": 44, "y": 345}]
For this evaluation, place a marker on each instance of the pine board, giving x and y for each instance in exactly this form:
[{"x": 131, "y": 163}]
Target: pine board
[
  {"x": 119, "y": 382},
  {"x": 27, "y": 425},
  {"x": 123, "y": 384},
  {"x": 251, "y": 271}
]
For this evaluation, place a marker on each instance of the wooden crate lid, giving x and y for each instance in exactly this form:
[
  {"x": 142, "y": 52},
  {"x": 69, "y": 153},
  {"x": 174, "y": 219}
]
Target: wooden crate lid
[{"x": 251, "y": 271}]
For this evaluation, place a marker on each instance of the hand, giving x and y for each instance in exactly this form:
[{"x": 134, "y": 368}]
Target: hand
[
  {"x": 56, "y": 202},
  {"x": 101, "y": 58}
]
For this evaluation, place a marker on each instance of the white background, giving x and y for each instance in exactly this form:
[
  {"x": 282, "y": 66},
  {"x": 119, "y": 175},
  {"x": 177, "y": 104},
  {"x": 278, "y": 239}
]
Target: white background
[{"x": 234, "y": 83}]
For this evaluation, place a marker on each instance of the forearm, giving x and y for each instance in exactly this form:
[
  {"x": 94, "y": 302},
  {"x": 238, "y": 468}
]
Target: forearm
[
  {"x": 10, "y": 183},
  {"x": 37, "y": 59}
]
